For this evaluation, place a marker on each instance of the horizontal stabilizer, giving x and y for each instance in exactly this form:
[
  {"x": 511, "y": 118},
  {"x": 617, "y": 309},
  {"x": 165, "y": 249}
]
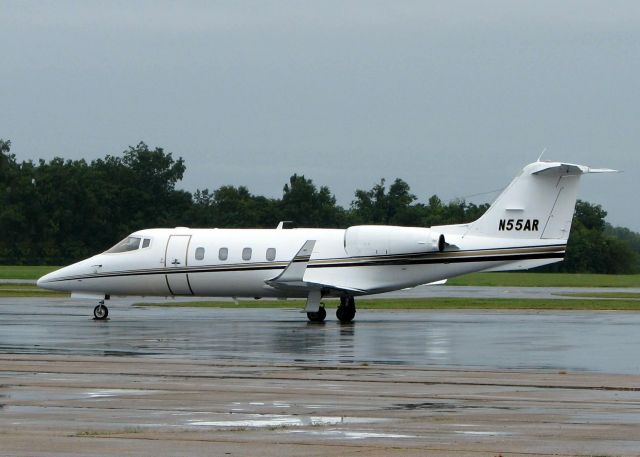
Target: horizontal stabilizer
[{"x": 556, "y": 168}]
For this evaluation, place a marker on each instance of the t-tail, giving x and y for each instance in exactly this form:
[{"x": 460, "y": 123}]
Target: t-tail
[
  {"x": 535, "y": 209},
  {"x": 539, "y": 203}
]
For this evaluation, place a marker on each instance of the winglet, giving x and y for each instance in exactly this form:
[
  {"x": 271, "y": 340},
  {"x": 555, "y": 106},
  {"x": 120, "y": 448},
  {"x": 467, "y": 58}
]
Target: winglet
[{"x": 293, "y": 274}]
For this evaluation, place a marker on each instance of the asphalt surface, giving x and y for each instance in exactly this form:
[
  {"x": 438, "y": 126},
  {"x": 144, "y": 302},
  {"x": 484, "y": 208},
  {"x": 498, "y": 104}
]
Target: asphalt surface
[
  {"x": 573, "y": 340},
  {"x": 117, "y": 406},
  {"x": 193, "y": 381}
]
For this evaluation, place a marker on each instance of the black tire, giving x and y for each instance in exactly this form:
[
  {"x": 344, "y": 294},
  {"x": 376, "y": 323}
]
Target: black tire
[
  {"x": 318, "y": 316},
  {"x": 100, "y": 312},
  {"x": 347, "y": 310}
]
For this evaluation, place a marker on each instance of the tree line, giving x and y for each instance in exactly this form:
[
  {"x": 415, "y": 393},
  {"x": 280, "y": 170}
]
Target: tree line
[{"x": 59, "y": 211}]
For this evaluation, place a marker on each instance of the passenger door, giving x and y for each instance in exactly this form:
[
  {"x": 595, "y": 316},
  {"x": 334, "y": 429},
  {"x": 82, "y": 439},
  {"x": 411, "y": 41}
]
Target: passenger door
[{"x": 176, "y": 259}]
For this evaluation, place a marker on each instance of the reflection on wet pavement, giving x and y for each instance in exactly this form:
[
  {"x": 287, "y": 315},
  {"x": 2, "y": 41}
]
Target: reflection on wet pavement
[
  {"x": 282, "y": 420},
  {"x": 582, "y": 341},
  {"x": 350, "y": 434}
]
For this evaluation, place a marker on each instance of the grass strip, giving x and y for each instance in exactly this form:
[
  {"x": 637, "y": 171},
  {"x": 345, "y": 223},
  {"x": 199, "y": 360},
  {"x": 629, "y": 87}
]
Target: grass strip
[
  {"x": 27, "y": 290},
  {"x": 529, "y": 279},
  {"x": 24, "y": 271},
  {"x": 605, "y": 295},
  {"x": 426, "y": 303}
]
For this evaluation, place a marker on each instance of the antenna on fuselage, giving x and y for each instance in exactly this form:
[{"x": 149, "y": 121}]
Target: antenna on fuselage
[
  {"x": 541, "y": 154},
  {"x": 281, "y": 224}
]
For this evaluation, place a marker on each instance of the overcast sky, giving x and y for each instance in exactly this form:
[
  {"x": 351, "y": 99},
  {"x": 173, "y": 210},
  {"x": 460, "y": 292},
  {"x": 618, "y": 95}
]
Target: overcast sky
[{"x": 453, "y": 97}]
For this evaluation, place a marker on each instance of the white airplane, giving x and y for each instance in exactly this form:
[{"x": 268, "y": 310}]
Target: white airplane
[{"x": 527, "y": 226}]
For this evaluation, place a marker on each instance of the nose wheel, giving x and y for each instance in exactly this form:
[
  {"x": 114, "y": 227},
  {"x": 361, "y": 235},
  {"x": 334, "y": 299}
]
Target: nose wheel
[
  {"x": 318, "y": 316},
  {"x": 100, "y": 312}
]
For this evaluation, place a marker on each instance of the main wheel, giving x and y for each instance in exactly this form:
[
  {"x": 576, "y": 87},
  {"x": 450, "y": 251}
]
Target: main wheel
[
  {"x": 346, "y": 310},
  {"x": 318, "y": 316},
  {"x": 100, "y": 312}
]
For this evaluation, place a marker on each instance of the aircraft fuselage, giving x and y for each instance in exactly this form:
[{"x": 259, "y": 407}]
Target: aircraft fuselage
[{"x": 240, "y": 262}]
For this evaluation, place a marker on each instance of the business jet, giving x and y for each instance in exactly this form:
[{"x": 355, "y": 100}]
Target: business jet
[{"x": 527, "y": 226}]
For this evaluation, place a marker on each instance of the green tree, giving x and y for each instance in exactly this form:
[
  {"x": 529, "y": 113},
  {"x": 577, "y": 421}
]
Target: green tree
[
  {"x": 377, "y": 206},
  {"x": 306, "y": 206},
  {"x": 631, "y": 241},
  {"x": 233, "y": 207},
  {"x": 7, "y": 160},
  {"x": 60, "y": 210},
  {"x": 370, "y": 207},
  {"x": 589, "y": 249},
  {"x": 400, "y": 208},
  {"x": 138, "y": 191}
]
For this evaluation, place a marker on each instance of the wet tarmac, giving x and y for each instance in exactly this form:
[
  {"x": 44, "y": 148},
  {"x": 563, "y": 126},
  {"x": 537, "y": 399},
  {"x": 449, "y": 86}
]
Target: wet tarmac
[
  {"x": 193, "y": 381},
  {"x": 97, "y": 406},
  {"x": 605, "y": 342}
]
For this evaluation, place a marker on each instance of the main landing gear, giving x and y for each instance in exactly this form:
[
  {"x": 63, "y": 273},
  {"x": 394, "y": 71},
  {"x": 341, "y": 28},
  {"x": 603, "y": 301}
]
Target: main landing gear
[
  {"x": 346, "y": 310},
  {"x": 100, "y": 312},
  {"x": 345, "y": 313}
]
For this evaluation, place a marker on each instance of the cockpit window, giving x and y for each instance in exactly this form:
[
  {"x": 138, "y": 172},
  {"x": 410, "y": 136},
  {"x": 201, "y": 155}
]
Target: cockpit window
[
  {"x": 146, "y": 242},
  {"x": 130, "y": 243}
]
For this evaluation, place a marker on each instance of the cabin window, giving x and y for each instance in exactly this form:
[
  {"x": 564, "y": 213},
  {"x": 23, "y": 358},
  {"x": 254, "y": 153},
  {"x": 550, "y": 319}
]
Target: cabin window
[
  {"x": 271, "y": 254},
  {"x": 246, "y": 254},
  {"x": 146, "y": 242},
  {"x": 199, "y": 253},
  {"x": 131, "y": 243},
  {"x": 223, "y": 253}
]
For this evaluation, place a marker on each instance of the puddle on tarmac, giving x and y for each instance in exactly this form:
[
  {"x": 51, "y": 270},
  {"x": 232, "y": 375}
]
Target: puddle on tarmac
[
  {"x": 604, "y": 417},
  {"x": 478, "y": 433},
  {"x": 106, "y": 393},
  {"x": 241, "y": 406},
  {"x": 349, "y": 434},
  {"x": 52, "y": 394},
  {"x": 441, "y": 406},
  {"x": 285, "y": 420}
]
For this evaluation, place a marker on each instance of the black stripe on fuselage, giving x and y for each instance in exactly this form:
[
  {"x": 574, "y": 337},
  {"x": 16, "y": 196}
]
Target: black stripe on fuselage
[{"x": 423, "y": 258}]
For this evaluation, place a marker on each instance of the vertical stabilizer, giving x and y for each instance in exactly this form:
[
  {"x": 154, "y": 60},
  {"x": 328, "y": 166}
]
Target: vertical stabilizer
[{"x": 539, "y": 203}]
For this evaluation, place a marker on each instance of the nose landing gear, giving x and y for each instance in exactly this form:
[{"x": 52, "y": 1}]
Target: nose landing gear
[
  {"x": 317, "y": 316},
  {"x": 100, "y": 312}
]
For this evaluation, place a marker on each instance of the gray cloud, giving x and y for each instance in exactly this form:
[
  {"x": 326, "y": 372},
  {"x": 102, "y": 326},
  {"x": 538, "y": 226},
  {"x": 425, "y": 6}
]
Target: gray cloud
[{"x": 454, "y": 97}]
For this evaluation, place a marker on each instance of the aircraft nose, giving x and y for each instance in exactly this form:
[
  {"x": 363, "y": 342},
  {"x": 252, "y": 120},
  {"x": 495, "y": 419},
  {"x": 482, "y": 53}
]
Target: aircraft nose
[
  {"x": 44, "y": 281},
  {"x": 65, "y": 278},
  {"x": 54, "y": 280}
]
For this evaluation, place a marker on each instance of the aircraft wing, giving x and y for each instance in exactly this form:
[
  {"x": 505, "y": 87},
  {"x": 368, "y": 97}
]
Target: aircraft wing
[
  {"x": 335, "y": 289},
  {"x": 292, "y": 277}
]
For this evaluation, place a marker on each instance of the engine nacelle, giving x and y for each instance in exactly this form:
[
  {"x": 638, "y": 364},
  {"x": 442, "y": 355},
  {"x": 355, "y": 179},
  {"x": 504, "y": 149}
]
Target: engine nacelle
[{"x": 365, "y": 240}]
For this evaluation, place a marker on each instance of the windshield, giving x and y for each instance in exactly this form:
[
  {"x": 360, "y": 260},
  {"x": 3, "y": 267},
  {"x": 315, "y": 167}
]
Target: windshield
[{"x": 131, "y": 243}]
